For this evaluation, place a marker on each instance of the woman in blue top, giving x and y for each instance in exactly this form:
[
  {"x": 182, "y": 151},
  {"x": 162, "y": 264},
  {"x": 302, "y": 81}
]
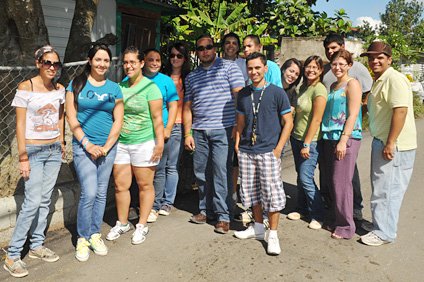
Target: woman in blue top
[
  {"x": 94, "y": 110},
  {"x": 342, "y": 127}
]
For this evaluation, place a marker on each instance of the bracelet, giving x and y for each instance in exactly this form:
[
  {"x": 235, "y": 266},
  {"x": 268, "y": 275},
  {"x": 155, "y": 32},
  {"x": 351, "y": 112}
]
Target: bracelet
[
  {"x": 187, "y": 135},
  {"x": 82, "y": 140},
  {"x": 344, "y": 133},
  {"x": 306, "y": 145},
  {"x": 105, "y": 154},
  {"x": 23, "y": 160},
  {"x": 85, "y": 144}
]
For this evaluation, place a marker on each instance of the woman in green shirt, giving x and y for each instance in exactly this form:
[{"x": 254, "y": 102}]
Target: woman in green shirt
[
  {"x": 140, "y": 145},
  {"x": 304, "y": 140}
]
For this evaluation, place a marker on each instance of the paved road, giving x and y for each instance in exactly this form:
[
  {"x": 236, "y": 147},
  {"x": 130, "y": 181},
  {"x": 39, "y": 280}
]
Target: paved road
[{"x": 177, "y": 250}]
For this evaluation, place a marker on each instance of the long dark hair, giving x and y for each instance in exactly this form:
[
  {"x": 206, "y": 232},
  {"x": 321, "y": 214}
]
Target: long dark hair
[
  {"x": 80, "y": 81},
  {"x": 185, "y": 69},
  {"x": 287, "y": 64}
]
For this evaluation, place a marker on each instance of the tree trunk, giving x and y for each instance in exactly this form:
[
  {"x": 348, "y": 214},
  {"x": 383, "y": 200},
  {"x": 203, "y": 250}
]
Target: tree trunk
[{"x": 22, "y": 31}]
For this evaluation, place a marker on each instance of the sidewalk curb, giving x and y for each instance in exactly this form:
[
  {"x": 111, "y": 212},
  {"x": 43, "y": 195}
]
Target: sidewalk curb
[{"x": 63, "y": 209}]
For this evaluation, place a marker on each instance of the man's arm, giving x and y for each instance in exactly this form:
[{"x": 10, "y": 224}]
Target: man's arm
[
  {"x": 287, "y": 123},
  {"x": 396, "y": 126},
  {"x": 239, "y": 127}
]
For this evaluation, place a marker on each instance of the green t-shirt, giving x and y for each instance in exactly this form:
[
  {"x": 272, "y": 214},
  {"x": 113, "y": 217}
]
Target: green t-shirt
[
  {"x": 304, "y": 111},
  {"x": 138, "y": 123}
]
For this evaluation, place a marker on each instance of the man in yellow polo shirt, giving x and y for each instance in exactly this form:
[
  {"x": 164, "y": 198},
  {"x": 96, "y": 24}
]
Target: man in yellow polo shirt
[{"x": 392, "y": 125}]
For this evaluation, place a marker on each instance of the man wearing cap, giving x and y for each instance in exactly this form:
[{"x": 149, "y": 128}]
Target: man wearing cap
[{"x": 392, "y": 124}]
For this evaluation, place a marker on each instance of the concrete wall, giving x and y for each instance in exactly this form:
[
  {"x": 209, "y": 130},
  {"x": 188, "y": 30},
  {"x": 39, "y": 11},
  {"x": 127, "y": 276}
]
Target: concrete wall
[{"x": 303, "y": 47}]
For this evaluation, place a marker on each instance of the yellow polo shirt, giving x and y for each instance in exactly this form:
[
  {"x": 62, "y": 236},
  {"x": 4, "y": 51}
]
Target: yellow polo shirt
[{"x": 392, "y": 90}]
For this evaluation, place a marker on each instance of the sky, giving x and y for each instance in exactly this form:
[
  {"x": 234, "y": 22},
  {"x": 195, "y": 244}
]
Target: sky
[{"x": 357, "y": 10}]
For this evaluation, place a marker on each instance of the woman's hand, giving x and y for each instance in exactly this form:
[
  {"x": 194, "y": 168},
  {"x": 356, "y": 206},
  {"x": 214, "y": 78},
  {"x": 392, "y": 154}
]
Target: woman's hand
[
  {"x": 63, "y": 154},
  {"x": 340, "y": 150},
  {"x": 167, "y": 133},
  {"x": 95, "y": 151},
  {"x": 24, "y": 169},
  {"x": 157, "y": 153},
  {"x": 305, "y": 153}
]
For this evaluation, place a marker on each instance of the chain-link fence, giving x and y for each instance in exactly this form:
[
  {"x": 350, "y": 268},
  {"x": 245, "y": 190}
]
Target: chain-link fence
[{"x": 10, "y": 78}]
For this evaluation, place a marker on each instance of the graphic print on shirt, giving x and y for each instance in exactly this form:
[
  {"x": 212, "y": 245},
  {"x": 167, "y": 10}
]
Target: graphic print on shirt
[
  {"x": 90, "y": 94},
  {"x": 47, "y": 119}
]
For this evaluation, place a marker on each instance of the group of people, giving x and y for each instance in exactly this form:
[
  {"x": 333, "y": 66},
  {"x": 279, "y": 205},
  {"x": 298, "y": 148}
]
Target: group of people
[{"x": 236, "y": 115}]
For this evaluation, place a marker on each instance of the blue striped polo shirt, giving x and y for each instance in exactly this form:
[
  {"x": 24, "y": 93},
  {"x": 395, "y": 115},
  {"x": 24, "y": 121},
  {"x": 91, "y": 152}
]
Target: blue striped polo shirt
[{"x": 209, "y": 90}]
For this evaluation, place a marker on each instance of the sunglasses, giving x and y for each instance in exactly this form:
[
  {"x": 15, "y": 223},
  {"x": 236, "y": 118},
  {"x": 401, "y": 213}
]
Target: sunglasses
[
  {"x": 179, "y": 56},
  {"x": 47, "y": 64},
  {"x": 202, "y": 48}
]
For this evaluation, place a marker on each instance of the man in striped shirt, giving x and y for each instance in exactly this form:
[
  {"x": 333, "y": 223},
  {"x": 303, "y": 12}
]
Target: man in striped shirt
[{"x": 209, "y": 119}]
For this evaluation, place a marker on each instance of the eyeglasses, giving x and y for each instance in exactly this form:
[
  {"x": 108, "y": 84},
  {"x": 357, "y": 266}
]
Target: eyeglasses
[
  {"x": 202, "y": 48},
  {"x": 47, "y": 64},
  {"x": 311, "y": 68},
  {"x": 131, "y": 63},
  {"x": 179, "y": 56},
  {"x": 342, "y": 66}
]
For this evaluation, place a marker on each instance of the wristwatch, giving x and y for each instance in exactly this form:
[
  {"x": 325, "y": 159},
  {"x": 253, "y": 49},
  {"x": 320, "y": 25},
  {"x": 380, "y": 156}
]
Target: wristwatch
[{"x": 306, "y": 145}]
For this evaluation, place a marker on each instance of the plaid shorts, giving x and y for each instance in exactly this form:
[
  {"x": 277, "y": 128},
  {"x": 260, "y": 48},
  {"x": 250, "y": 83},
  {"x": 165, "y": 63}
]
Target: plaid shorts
[{"x": 260, "y": 181}]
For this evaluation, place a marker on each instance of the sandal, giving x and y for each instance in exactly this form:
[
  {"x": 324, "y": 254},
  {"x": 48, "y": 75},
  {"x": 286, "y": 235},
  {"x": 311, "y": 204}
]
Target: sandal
[{"x": 337, "y": 237}]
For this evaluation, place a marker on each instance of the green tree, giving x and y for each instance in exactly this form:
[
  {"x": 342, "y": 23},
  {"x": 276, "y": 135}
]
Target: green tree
[{"x": 294, "y": 18}]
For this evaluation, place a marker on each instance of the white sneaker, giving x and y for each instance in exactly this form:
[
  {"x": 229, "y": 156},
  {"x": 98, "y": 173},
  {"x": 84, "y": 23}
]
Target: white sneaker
[
  {"x": 117, "y": 230},
  {"x": 315, "y": 225},
  {"x": 295, "y": 216},
  {"x": 82, "y": 251},
  {"x": 273, "y": 246},
  {"x": 139, "y": 234},
  {"x": 250, "y": 233},
  {"x": 153, "y": 215},
  {"x": 373, "y": 240},
  {"x": 244, "y": 217},
  {"x": 97, "y": 244},
  {"x": 132, "y": 215}
]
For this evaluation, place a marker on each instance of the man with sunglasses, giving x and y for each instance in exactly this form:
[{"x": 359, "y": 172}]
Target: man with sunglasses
[
  {"x": 209, "y": 118},
  {"x": 333, "y": 43}
]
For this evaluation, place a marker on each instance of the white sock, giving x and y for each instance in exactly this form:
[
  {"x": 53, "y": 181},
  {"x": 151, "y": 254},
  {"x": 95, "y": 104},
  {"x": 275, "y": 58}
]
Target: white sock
[
  {"x": 272, "y": 234},
  {"x": 259, "y": 227}
]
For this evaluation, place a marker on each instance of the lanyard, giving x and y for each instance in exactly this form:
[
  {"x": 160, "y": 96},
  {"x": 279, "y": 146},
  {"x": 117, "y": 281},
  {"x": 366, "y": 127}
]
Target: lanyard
[{"x": 256, "y": 111}]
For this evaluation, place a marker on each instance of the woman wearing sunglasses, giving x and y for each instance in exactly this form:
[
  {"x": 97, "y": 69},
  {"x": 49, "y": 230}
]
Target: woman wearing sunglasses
[
  {"x": 304, "y": 141},
  {"x": 342, "y": 129},
  {"x": 94, "y": 110},
  {"x": 177, "y": 67},
  {"x": 40, "y": 135}
]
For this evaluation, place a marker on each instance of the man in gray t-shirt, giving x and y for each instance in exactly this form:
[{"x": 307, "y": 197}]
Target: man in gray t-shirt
[{"x": 332, "y": 44}]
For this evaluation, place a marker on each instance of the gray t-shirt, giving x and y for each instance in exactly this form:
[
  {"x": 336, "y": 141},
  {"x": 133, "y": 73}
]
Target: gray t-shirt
[{"x": 357, "y": 71}]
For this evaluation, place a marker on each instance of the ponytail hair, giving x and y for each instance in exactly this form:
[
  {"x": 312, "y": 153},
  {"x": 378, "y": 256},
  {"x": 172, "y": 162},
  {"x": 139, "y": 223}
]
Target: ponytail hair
[{"x": 81, "y": 80}]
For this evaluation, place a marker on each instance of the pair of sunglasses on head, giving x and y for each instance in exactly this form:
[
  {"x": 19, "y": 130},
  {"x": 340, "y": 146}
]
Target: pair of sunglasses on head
[{"x": 48, "y": 64}]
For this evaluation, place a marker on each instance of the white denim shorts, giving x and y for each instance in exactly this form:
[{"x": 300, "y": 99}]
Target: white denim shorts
[{"x": 136, "y": 154}]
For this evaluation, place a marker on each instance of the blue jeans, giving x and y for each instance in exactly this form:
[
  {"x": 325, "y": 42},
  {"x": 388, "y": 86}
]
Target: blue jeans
[
  {"x": 213, "y": 168},
  {"x": 45, "y": 161},
  {"x": 308, "y": 198},
  {"x": 389, "y": 181},
  {"x": 166, "y": 173},
  {"x": 94, "y": 179}
]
